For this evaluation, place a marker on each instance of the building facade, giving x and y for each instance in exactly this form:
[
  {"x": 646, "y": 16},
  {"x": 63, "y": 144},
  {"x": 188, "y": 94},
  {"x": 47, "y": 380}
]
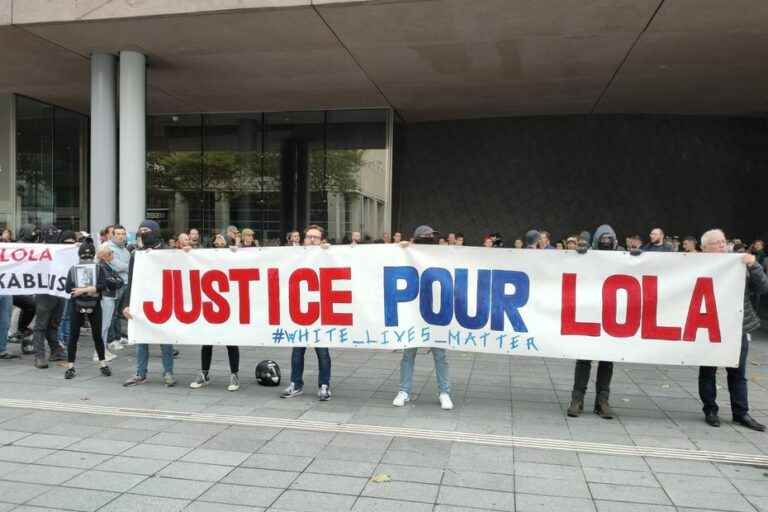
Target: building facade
[{"x": 380, "y": 115}]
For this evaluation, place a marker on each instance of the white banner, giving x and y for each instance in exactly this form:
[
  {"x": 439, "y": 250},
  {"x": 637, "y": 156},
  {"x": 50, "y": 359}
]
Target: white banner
[
  {"x": 30, "y": 269},
  {"x": 654, "y": 308}
]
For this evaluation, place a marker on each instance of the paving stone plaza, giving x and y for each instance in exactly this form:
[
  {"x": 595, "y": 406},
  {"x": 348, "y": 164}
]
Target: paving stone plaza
[{"x": 55, "y": 459}]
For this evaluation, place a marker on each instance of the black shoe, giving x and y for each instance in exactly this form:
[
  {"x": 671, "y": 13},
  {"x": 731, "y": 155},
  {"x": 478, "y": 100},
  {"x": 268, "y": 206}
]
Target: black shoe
[
  {"x": 69, "y": 374},
  {"x": 576, "y": 408},
  {"x": 712, "y": 419},
  {"x": 749, "y": 422},
  {"x": 27, "y": 348},
  {"x": 176, "y": 353},
  {"x": 603, "y": 409},
  {"x": 105, "y": 371},
  {"x": 58, "y": 355},
  {"x": 8, "y": 355}
]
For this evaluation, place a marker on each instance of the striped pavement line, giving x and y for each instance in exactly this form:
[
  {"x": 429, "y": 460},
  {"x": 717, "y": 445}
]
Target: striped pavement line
[{"x": 403, "y": 432}]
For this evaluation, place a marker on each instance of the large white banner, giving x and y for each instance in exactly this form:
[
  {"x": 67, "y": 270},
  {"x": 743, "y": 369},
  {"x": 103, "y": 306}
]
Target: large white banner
[
  {"x": 654, "y": 308},
  {"x": 29, "y": 269}
]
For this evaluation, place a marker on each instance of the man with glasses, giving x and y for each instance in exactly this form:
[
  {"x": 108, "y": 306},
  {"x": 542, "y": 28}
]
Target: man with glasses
[
  {"x": 757, "y": 282},
  {"x": 313, "y": 235}
]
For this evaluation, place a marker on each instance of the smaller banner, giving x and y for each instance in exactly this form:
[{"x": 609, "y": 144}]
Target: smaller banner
[{"x": 31, "y": 269}]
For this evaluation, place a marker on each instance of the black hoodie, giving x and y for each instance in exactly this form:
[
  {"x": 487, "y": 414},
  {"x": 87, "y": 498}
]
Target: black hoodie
[{"x": 155, "y": 242}]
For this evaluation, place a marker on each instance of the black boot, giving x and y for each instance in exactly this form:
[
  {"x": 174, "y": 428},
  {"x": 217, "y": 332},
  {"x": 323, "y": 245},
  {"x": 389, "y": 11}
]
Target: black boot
[{"x": 603, "y": 409}]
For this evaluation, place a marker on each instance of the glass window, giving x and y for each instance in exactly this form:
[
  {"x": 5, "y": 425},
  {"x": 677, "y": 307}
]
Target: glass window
[
  {"x": 174, "y": 173},
  {"x": 51, "y": 165}
]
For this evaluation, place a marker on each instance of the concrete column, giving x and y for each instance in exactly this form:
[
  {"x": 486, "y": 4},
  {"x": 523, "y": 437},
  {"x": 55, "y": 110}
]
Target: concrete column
[
  {"x": 180, "y": 213},
  {"x": 133, "y": 145},
  {"x": 7, "y": 159},
  {"x": 103, "y": 142}
]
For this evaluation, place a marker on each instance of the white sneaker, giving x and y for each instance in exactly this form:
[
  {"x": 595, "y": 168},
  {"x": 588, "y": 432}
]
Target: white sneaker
[
  {"x": 324, "y": 393},
  {"x": 95, "y": 357},
  {"x": 202, "y": 381},
  {"x": 400, "y": 399},
  {"x": 123, "y": 341},
  {"x": 234, "y": 383},
  {"x": 445, "y": 401},
  {"x": 116, "y": 346},
  {"x": 291, "y": 391}
]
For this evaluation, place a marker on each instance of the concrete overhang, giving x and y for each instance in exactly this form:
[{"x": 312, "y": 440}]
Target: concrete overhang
[{"x": 428, "y": 59}]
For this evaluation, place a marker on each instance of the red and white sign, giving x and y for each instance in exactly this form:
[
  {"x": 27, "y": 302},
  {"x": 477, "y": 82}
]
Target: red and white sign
[
  {"x": 653, "y": 308},
  {"x": 29, "y": 269}
]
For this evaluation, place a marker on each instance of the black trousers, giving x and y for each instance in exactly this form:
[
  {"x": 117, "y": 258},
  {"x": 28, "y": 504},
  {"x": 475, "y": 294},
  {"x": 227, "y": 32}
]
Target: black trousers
[
  {"x": 206, "y": 354},
  {"x": 77, "y": 319},
  {"x": 48, "y": 311},
  {"x": 26, "y": 303},
  {"x": 602, "y": 384},
  {"x": 737, "y": 384}
]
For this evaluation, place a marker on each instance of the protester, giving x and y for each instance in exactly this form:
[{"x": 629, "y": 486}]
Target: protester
[
  {"x": 488, "y": 242},
  {"x": 105, "y": 235},
  {"x": 6, "y": 237},
  {"x": 656, "y": 242},
  {"x": 386, "y": 238},
  {"x": 459, "y": 239},
  {"x": 313, "y": 235},
  {"x": 172, "y": 243},
  {"x": 604, "y": 240},
  {"x": 424, "y": 235},
  {"x": 397, "y": 238},
  {"x": 104, "y": 258},
  {"x": 219, "y": 242},
  {"x": 148, "y": 240},
  {"x": 451, "y": 239},
  {"x": 545, "y": 240},
  {"x": 532, "y": 238},
  {"x": 121, "y": 258},
  {"x": 194, "y": 238},
  {"x": 85, "y": 302},
  {"x": 249, "y": 238},
  {"x": 62, "y": 336},
  {"x": 571, "y": 243},
  {"x": 756, "y": 282},
  {"x": 206, "y": 351},
  {"x": 355, "y": 238},
  {"x": 293, "y": 238},
  {"x": 689, "y": 244},
  {"x": 6, "y": 306},
  {"x": 635, "y": 243},
  {"x": 518, "y": 243},
  {"x": 758, "y": 249},
  {"x": 48, "y": 312},
  {"x": 182, "y": 241}
]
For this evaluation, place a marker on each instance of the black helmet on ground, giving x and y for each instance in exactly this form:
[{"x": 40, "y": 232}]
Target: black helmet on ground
[{"x": 268, "y": 373}]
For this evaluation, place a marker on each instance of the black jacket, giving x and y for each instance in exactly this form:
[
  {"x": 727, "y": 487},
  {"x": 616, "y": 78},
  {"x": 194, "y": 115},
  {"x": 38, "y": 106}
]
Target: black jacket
[{"x": 757, "y": 284}]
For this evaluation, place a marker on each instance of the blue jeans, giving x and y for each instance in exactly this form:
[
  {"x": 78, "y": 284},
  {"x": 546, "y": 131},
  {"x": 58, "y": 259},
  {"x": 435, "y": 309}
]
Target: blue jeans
[
  {"x": 115, "y": 330},
  {"x": 6, "y": 305},
  {"x": 63, "y": 334},
  {"x": 737, "y": 384},
  {"x": 297, "y": 366},
  {"x": 142, "y": 358},
  {"x": 441, "y": 370}
]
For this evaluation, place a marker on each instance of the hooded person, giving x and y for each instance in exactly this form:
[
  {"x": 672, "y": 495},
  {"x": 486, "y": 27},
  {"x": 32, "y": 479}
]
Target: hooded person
[
  {"x": 424, "y": 235},
  {"x": 48, "y": 308},
  {"x": 28, "y": 234},
  {"x": 86, "y": 282},
  {"x": 148, "y": 239},
  {"x": 603, "y": 240},
  {"x": 111, "y": 307}
]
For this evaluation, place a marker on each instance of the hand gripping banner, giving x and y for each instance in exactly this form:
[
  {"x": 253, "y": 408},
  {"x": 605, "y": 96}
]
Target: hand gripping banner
[
  {"x": 29, "y": 269},
  {"x": 683, "y": 309}
]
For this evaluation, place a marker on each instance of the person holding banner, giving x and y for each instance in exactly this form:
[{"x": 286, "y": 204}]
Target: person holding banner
[
  {"x": 313, "y": 235},
  {"x": 148, "y": 239},
  {"x": 604, "y": 240},
  {"x": 206, "y": 351},
  {"x": 48, "y": 312},
  {"x": 6, "y": 306},
  {"x": 424, "y": 235},
  {"x": 757, "y": 283}
]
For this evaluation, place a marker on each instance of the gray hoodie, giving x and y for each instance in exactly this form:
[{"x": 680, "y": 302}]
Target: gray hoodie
[{"x": 603, "y": 230}]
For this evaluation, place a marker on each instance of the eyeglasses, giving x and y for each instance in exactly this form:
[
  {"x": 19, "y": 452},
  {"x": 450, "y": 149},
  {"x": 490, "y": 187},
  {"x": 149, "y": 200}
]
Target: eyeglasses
[{"x": 312, "y": 237}]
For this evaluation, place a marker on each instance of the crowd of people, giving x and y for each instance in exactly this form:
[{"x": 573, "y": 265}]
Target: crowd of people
[{"x": 102, "y": 303}]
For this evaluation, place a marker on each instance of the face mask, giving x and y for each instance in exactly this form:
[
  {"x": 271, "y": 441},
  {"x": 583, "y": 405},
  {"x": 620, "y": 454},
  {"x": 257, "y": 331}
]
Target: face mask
[
  {"x": 605, "y": 244},
  {"x": 148, "y": 239},
  {"x": 425, "y": 241}
]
